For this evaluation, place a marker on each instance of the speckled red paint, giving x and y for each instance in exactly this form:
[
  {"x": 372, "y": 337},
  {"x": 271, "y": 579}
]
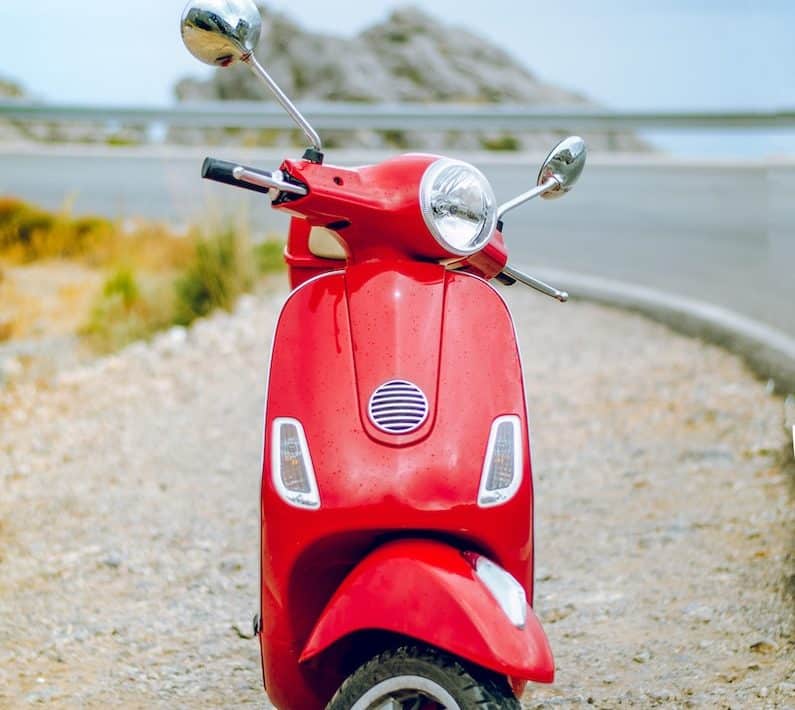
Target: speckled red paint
[{"x": 383, "y": 551}]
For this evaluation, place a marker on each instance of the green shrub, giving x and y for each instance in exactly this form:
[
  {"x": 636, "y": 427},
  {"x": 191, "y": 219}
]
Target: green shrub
[
  {"x": 134, "y": 305},
  {"x": 121, "y": 140},
  {"x": 396, "y": 139},
  {"x": 506, "y": 143},
  {"x": 220, "y": 272},
  {"x": 269, "y": 256},
  {"x": 127, "y": 310},
  {"x": 123, "y": 284}
]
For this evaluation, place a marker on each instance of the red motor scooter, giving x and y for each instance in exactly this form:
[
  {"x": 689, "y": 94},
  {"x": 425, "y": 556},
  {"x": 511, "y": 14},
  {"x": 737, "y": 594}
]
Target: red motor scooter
[{"x": 397, "y": 504}]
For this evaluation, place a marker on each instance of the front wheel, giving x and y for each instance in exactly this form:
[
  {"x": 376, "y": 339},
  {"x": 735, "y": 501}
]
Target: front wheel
[{"x": 416, "y": 678}]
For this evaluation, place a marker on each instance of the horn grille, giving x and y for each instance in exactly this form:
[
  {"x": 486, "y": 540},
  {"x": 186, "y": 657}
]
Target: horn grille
[{"x": 398, "y": 407}]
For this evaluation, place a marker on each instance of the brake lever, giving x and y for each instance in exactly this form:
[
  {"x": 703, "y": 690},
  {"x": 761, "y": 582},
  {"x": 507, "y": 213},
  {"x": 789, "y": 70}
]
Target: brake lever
[
  {"x": 270, "y": 180},
  {"x": 527, "y": 280}
]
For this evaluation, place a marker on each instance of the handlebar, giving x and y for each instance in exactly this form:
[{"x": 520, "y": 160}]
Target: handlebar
[
  {"x": 263, "y": 181},
  {"x": 222, "y": 171},
  {"x": 249, "y": 178}
]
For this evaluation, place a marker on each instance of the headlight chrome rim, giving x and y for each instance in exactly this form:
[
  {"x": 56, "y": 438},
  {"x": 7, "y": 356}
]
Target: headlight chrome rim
[{"x": 481, "y": 238}]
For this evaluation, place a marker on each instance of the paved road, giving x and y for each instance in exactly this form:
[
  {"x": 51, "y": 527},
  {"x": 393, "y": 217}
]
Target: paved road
[{"x": 723, "y": 234}]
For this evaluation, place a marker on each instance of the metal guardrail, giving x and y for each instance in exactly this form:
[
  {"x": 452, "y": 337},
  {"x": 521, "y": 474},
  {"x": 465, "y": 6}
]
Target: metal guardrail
[
  {"x": 351, "y": 116},
  {"x": 721, "y": 263}
]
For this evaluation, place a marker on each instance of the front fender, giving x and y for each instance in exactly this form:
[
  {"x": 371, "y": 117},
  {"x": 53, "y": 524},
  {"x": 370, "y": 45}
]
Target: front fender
[{"x": 428, "y": 591}]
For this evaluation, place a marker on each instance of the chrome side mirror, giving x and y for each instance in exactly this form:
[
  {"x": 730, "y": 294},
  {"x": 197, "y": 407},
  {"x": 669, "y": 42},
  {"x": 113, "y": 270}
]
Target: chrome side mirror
[
  {"x": 564, "y": 164},
  {"x": 222, "y": 32},
  {"x": 559, "y": 171}
]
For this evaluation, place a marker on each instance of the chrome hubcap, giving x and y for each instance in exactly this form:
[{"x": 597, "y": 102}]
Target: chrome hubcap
[{"x": 406, "y": 693}]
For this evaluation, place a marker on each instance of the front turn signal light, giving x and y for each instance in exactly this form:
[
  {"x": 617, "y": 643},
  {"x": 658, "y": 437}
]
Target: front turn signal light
[
  {"x": 510, "y": 595},
  {"x": 502, "y": 466},
  {"x": 291, "y": 464}
]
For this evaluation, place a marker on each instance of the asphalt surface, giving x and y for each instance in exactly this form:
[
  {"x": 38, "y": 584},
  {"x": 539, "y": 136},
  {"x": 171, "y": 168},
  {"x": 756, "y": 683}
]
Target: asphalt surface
[{"x": 719, "y": 233}]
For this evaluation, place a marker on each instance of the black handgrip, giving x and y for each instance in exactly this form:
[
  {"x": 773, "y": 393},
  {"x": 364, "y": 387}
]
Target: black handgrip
[{"x": 221, "y": 171}]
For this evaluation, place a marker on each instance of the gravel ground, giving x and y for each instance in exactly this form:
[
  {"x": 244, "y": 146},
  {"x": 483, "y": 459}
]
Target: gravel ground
[{"x": 128, "y": 519}]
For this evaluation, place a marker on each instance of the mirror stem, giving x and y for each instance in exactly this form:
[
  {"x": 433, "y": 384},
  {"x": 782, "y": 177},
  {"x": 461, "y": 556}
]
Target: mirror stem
[
  {"x": 546, "y": 186},
  {"x": 287, "y": 105},
  {"x": 528, "y": 280}
]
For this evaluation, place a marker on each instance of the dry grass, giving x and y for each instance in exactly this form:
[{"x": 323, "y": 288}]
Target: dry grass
[
  {"x": 128, "y": 307},
  {"x": 148, "y": 246},
  {"x": 29, "y": 233},
  {"x": 49, "y": 298},
  {"x": 117, "y": 283}
]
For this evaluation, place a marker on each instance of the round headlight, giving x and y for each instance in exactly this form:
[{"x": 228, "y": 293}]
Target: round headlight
[{"x": 458, "y": 205}]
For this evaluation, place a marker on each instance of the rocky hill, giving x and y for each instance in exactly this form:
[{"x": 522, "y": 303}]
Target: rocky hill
[
  {"x": 45, "y": 131},
  {"x": 410, "y": 57},
  {"x": 10, "y": 89}
]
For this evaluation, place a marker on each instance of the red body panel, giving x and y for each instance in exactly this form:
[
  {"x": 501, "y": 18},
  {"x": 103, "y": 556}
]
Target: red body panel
[
  {"x": 490, "y": 260},
  {"x": 337, "y": 338},
  {"x": 375, "y": 208},
  {"x": 302, "y": 264},
  {"x": 429, "y": 591},
  {"x": 391, "y": 311},
  {"x": 381, "y": 553}
]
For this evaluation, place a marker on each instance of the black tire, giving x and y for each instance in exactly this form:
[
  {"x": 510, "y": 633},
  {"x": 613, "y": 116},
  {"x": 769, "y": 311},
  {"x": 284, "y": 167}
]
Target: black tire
[{"x": 470, "y": 689}]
